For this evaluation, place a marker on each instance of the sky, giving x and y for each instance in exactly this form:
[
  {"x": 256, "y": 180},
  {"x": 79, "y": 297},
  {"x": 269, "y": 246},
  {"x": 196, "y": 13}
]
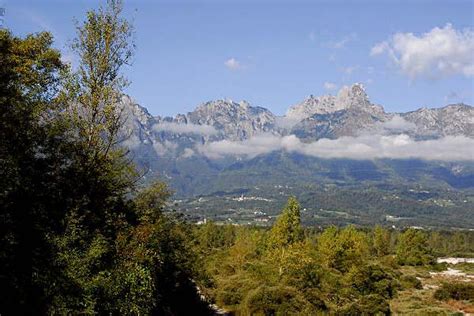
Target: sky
[{"x": 408, "y": 54}]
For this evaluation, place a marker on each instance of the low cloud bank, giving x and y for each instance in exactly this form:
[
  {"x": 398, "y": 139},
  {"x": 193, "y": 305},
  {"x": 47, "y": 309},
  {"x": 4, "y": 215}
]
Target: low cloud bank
[
  {"x": 397, "y": 124},
  {"x": 185, "y": 128},
  {"x": 451, "y": 148}
]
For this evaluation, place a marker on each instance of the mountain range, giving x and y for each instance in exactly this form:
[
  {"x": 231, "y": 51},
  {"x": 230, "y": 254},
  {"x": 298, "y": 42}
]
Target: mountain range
[{"x": 224, "y": 148}]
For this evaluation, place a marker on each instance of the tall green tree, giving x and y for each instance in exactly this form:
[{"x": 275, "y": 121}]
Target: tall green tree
[
  {"x": 287, "y": 228},
  {"x": 342, "y": 249},
  {"x": 104, "y": 45},
  {"x": 413, "y": 248},
  {"x": 103, "y": 176},
  {"x": 381, "y": 241}
]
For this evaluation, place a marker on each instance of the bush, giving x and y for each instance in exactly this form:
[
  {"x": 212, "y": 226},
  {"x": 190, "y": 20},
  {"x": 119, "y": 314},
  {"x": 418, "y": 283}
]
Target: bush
[
  {"x": 368, "y": 305},
  {"x": 456, "y": 291},
  {"x": 410, "y": 282},
  {"x": 276, "y": 300},
  {"x": 233, "y": 290},
  {"x": 372, "y": 279},
  {"x": 438, "y": 267}
]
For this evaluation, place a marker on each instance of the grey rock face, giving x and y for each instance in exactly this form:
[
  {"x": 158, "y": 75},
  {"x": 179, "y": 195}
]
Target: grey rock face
[
  {"x": 455, "y": 119},
  {"x": 237, "y": 121},
  {"x": 346, "y": 114},
  {"x": 348, "y": 122},
  {"x": 349, "y": 113},
  {"x": 353, "y": 97}
]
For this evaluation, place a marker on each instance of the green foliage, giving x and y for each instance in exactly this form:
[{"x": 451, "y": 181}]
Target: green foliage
[
  {"x": 456, "y": 291},
  {"x": 29, "y": 158},
  {"x": 381, "y": 241},
  {"x": 104, "y": 45},
  {"x": 212, "y": 236},
  {"x": 263, "y": 272},
  {"x": 367, "y": 305},
  {"x": 413, "y": 249},
  {"x": 276, "y": 300},
  {"x": 410, "y": 282},
  {"x": 372, "y": 279},
  {"x": 287, "y": 228},
  {"x": 342, "y": 249},
  {"x": 75, "y": 236}
]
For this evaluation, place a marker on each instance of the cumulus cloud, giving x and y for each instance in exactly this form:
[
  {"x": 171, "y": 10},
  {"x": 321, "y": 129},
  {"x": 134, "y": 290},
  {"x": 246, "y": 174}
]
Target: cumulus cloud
[
  {"x": 185, "y": 128},
  {"x": 233, "y": 64},
  {"x": 438, "y": 53},
  {"x": 330, "y": 86},
  {"x": 458, "y": 148}
]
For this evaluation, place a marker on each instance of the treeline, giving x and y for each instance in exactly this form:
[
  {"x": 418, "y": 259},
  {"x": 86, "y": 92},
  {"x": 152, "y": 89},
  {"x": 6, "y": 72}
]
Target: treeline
[{"x": 288, "y": 270}]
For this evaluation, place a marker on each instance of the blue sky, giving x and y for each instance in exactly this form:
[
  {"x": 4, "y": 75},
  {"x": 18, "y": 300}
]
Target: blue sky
[{"x": 275, "y": 53}]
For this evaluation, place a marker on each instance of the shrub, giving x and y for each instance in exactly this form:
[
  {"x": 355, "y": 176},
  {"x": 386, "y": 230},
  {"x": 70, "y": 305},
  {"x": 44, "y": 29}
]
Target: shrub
[
  {"x": 368, "y": 305},
  {"x": 456, "y": 291},
  {"x": 276, "y": 300},
  {"x": 410, "y": 282}
]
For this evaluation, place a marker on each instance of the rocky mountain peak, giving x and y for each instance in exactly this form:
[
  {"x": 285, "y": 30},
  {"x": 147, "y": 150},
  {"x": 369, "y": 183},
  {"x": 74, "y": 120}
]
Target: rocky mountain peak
[
  {"x": 237, "y": 120},
  {"x": 453, "y": 119},
  {"x": 354, "y": 95},
  {"x": 348, "y": 97}
]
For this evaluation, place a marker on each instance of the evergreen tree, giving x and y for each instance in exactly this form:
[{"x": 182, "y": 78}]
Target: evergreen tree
[
  {"x": 381, "y": 241},
  {"x": 413, "y": 248},
  {"x": 342, "y": 249},
  {"x": 287, "y": 228}
]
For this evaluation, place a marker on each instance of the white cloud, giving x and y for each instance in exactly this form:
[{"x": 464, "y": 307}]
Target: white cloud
[
  {"x": 379, "y": 48},
  {"x": 252, "y": 147},
  {"x": 330, "y": 86},
  {"x": 398, "y": 124},
  {"x": 233, "y": 64},
  {"x": 165, "y": 147},
  {"x": 185, "y": 128},
  {"x": 188, "y": 152},
  {"x": 451, "y": 148},
  {"x": 438, "y": 53},
  {"x": 344, "y": 41},
  {"x": 312, "y": 36}
]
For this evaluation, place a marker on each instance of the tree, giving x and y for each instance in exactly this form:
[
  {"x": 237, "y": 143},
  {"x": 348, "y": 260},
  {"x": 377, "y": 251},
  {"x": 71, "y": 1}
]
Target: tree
[
  {"x": 413, "y": 249},
  {"x": 104, "y": 45},
  {"x": 29, "y": 156},
  {"x": 156, "y": 264},
  {"x": 342, "y": 249},
  {"x": 381, "y": 241},
  {"x": 103, "y": 176},
  {"x": 287, "y": 228}
]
